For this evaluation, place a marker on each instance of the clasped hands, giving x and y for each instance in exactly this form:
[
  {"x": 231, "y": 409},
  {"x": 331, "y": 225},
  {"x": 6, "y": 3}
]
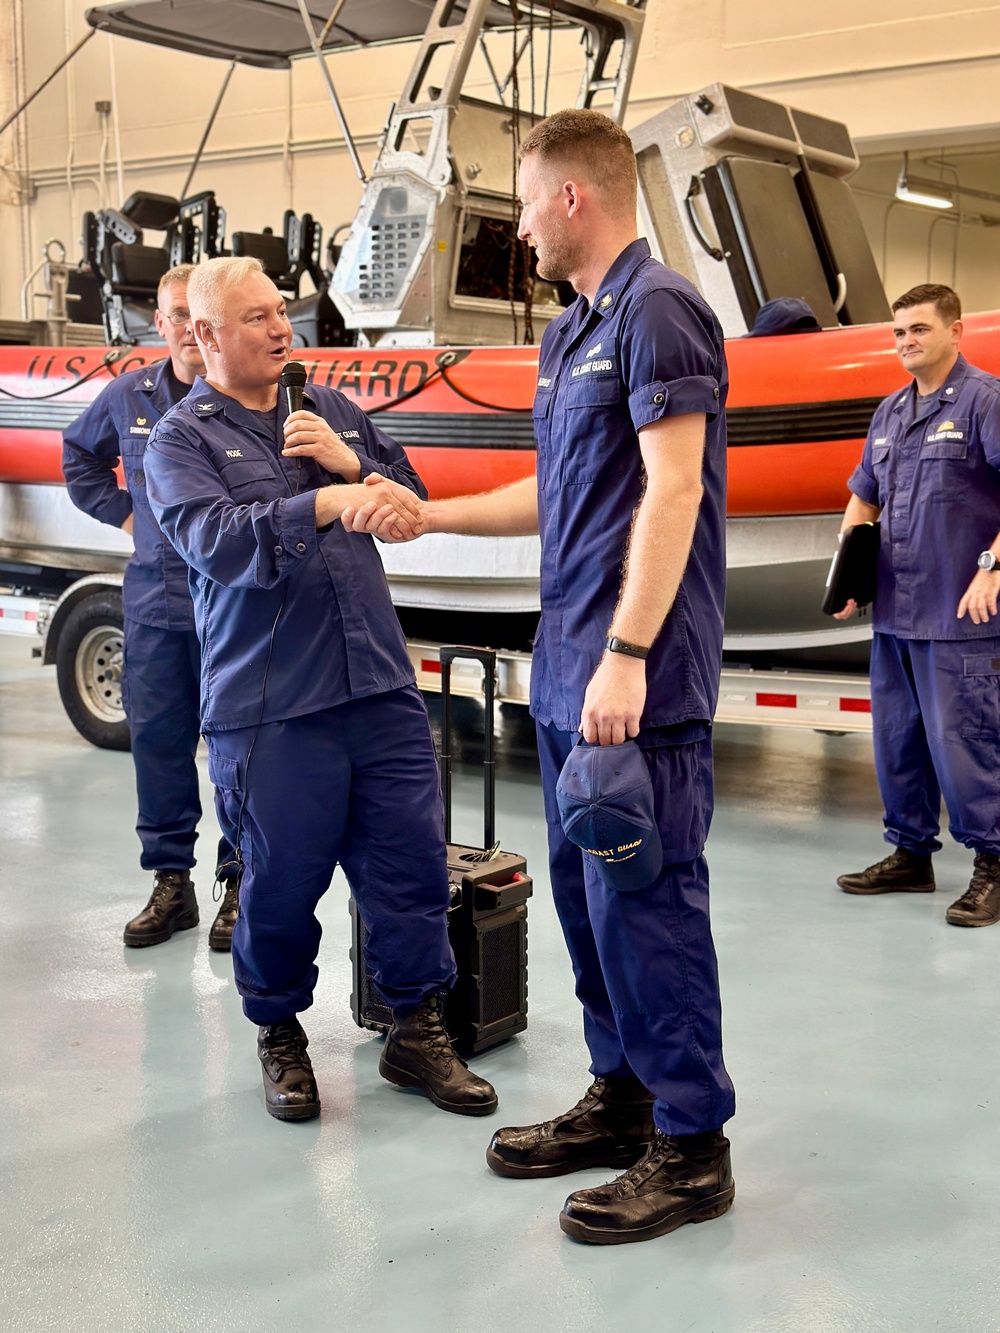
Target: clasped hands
[{"x": 384, "y": 509}]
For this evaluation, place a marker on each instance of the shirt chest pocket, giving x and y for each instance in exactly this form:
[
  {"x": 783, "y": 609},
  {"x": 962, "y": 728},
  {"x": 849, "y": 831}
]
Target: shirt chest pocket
[
  {"x": 251, "y": 479},
  {"x": 132, "y": 448},
  {"x": 588, "y": 404},
  {"x": 948, "y": 441}
]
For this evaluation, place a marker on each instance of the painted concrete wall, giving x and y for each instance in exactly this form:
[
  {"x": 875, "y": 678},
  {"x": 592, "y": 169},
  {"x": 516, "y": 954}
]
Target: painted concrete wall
[{"x": 916, "y": 73}]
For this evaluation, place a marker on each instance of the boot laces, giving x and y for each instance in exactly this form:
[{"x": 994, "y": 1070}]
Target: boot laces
[
  {"x": 286, "y": 1045},
  {"x": 434, "y": 1033},
  {"x": 226, "y": 892},
  {"x": 164, "y": 884},
  {"x": 985, "y": 878},
  {"x": 660, "y": 1147},
  {"x": 585, "y": 1104}
]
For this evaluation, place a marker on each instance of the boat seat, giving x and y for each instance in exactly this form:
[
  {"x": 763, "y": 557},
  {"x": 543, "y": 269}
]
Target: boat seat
[
  {"x": 137, "y": 269},
  {"x": 158, "y": 211}
]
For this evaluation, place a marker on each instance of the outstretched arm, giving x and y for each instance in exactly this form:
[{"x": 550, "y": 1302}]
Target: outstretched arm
[{"x": 511, "y": 511}]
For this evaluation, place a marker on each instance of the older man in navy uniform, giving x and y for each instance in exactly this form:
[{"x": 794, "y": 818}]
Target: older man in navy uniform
[
  {"x": 319, "y": 743},
  {"x": 630, "y": 504},
  {"x": 160, "y": 680},
  {"x": 931, "y": 471}
]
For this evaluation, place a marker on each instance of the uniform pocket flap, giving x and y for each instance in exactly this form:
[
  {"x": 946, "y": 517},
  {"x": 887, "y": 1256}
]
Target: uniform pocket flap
[
  {"x": 223, "y": 772},
  {"x": 945, "y": 449},
  {"x": 246, "y": 470},
  {"x": 981, "y": 665},
  {"x": 593, "y": 391}
]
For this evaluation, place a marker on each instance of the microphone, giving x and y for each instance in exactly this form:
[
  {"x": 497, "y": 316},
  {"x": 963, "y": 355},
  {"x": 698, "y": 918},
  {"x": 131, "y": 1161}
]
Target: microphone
[{"x": 293, "y": 381}]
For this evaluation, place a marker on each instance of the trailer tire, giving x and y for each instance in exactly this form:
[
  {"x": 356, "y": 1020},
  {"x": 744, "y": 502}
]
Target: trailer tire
[{"x": 89, "y": 670}]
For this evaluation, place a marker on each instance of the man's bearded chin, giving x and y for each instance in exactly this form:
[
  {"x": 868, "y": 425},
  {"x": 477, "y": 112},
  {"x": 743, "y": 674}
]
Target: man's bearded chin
[{"x": 556, "y": 266}]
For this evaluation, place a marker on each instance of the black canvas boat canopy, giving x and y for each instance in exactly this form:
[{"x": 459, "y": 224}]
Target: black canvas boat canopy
[{"x": 270, "y": 33}]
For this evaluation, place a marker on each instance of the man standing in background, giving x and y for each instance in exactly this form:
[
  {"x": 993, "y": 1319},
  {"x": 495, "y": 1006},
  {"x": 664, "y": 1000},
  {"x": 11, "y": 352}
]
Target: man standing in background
[
  {"x": 162, "y": 658},
  {"x": 931, "y": 471}
]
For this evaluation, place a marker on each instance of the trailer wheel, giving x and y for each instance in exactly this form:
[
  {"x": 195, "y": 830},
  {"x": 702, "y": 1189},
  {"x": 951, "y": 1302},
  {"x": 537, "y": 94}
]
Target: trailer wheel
[{"x": 89, "y": 670}]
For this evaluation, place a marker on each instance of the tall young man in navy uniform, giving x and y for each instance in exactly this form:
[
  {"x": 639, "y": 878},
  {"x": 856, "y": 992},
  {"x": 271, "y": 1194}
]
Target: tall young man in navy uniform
[
  {"x": 160, "y": 680},
  {"x": 319, "y": 743},
  {"x": 630, "y": 504},
  {"x": 931, "y": 471}
]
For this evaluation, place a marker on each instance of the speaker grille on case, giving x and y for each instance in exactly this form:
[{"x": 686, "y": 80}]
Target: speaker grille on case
[{"x": 502, "y": 972}]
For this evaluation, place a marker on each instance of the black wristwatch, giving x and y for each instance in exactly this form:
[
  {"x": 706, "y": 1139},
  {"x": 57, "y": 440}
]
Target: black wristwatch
[
  {"x": 987, "y": 560},
  {"x": 616, "y": 645}
]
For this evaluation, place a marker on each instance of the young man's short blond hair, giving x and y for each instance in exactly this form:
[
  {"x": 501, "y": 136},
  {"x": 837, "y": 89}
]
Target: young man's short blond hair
[
  {"x": 592, "y": 145},
  {"x": 210, "y": 283}
]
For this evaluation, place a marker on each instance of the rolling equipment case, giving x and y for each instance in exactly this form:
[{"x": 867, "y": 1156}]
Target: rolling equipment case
[{"x": 487, "y": 916}]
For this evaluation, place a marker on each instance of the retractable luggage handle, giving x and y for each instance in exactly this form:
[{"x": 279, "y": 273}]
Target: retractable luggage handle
[{"x": 488, "y": 657}]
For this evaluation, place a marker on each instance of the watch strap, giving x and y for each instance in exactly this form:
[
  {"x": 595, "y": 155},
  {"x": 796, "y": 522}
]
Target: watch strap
[{"x": 616, "y": 645}]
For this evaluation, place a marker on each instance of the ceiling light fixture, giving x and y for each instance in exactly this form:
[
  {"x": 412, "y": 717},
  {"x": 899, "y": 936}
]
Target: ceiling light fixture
[{"x": 918, "y": 190}]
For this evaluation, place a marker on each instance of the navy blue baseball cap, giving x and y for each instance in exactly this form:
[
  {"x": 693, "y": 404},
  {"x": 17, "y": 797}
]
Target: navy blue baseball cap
[
  {"x": 605, "y": 799},
  {"x": 785, "y": 314}
]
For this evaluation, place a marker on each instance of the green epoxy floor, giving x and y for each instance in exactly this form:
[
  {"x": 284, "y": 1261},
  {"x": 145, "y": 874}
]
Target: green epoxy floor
[{"x": 144, "y": 1188}]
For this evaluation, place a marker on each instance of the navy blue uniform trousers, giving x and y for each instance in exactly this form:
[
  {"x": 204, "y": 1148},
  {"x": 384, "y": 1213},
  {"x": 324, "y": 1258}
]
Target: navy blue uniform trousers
[
  {"x": 160, "y": 684},
  {"x": 936, "y": 731},
  {"x": 355, "y": 785},
  {"x": 644, "y": 961}
]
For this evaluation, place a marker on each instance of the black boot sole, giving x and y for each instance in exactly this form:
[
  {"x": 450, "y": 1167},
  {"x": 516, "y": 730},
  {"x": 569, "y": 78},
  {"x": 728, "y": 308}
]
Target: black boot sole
[
  {"x": 402, "y": 1078},
  {"x": 308, "y": 1112},
  {"x": 702, "y": 1211},
  {"x": 624, "y": 1158},
  {"x": 161, "y": 936},
  {"x": 886, "y": 888}
]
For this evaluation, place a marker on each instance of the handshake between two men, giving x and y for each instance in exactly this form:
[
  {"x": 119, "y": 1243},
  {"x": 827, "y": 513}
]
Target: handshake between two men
[{"x": 373, "y": 504}]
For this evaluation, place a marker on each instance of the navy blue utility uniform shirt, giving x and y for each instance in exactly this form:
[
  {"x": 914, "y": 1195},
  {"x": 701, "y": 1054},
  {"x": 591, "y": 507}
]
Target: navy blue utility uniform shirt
[
  {"x": 275, "y": 600},
  {"x": 936, "y": 479},
  {"x": 649, "y": 347},
  {"x": 117, "y": 424}
]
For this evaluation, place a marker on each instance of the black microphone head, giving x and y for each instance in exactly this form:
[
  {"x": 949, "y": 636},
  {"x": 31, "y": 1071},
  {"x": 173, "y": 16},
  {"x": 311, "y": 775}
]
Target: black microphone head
[{"x": 294, "y": 375}]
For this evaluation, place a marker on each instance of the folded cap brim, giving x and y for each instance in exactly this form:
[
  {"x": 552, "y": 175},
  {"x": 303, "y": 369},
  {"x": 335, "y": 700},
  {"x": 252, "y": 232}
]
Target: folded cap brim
[{"x": 605, "y": 800}]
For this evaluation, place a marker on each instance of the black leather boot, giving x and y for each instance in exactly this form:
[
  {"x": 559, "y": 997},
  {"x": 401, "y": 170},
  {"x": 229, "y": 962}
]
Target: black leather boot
[
  {"x": 290, "y": 1090},
  {"x": 679, "y": 1180},
  {"x": 979, "y": 905},
  {"x": 418, "y": 1054},
  {"x": 612, "y": 1125},
  {"x": 172, "y": 906},
  {"x": 220, "y": 937},
  {"x": 902, "y": 872}
]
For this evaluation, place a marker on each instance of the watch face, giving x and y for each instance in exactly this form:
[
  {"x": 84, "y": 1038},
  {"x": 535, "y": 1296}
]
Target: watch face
[{"x": 987, "y": 560}]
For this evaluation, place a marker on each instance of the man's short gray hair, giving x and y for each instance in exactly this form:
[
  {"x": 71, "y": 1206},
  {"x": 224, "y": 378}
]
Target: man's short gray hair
[
  {"x": 179, "y": 273},
  {"x": 210, "y": 283}
]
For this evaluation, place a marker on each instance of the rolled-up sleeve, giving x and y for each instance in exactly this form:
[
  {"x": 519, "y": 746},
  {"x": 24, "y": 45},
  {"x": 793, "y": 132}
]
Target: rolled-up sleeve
[
  {"x": 862, "y": 481},
  {"x": 254, "y": 545},
  {"x": 668, "y": 333}
]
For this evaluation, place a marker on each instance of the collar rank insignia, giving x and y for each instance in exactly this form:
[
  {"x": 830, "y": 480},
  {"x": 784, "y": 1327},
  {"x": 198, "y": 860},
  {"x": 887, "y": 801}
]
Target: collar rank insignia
[
  {"x": 606, "y": 300},
  {"x": 147, "y": 383},
  {"x": 205, "y": 407}
]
